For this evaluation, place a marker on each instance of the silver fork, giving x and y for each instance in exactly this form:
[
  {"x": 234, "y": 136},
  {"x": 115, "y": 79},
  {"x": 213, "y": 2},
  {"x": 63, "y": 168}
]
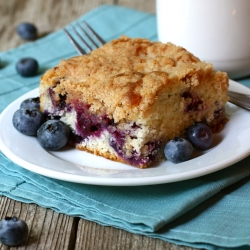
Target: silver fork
[
  {"x": 239, "y": 99},
  {"x": 94, "y": 41}
]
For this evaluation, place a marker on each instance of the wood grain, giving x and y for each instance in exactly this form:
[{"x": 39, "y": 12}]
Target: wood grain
[
  {"x": 90, "y": 235},
  {"x": 51, "y": 230},
  {"x": 142, "y": 5},
  {"x": 50, "y": 15},
  {"x": 47, "y": 228}
]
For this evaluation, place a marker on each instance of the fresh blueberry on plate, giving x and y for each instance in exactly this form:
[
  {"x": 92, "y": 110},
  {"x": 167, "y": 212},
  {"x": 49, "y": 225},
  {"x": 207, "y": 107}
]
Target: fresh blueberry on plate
[
  {"x": 178, "y": 150},
  {"x": 200, "y": 136},
  {"x": 31, "y": 103},
  {"x": 27, "y": 31},
  {"x": 27, "y": 66},
  {"x": 28, "y": 121},
  {"x": 13, "y": 231},
  {"x": 53, "y": 135}
]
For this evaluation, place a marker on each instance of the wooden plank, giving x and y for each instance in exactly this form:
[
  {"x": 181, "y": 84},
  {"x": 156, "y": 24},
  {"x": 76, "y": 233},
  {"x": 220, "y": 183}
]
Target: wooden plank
[
  {"x": 142, "y": 5},
  {"x": 50, "y": 15},
  {"x": 93, "y": 236},
  {"x": 47, "y": 228},
  {"x": 47, "y": 15}
]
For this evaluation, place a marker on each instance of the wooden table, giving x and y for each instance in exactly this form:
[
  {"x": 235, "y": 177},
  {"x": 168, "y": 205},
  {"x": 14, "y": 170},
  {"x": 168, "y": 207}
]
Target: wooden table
[{"x": 48, "y": 229}]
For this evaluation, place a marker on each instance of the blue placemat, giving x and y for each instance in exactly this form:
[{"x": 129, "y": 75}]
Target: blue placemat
[{"x": 209, "y": 212}]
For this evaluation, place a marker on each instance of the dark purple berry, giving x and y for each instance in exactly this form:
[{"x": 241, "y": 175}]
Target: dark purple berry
[
  {"x": 27, "y": 66},
  {"x": 178, "y": 150},
  {"x": 27, "y": 31},
  {"x": 28, "y": 121},
  {"x": 53, "y": 135},
  {"x": 13, "y": 231},
  {"x": 31, "y": 103},
  {"x": 200, "y": 136}
]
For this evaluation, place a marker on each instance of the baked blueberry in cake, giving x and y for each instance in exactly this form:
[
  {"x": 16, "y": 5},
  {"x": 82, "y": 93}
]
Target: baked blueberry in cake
[{"x": 125, "y": 100}]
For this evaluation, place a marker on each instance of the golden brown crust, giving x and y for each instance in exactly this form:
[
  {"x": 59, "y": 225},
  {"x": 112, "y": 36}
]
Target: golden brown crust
[{"x": 131, "y": 73}]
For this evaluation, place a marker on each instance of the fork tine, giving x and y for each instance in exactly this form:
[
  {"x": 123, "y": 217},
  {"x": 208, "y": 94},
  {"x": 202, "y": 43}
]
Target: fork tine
[
  {"x": 240, "y": 103},
  {"x": 79, "y": 49},
  {"x": 91, "y": 35},
  {"x": 88, "y": 36},
  {"x": 77, "y": 33},
  {"x": 237, "y": 94},
  {"x": 239, "y": 99},
  {"x": 94, "y": 33}
]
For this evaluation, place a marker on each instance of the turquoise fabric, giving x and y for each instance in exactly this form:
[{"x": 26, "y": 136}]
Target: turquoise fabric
[{"x": 211, "y": 212}]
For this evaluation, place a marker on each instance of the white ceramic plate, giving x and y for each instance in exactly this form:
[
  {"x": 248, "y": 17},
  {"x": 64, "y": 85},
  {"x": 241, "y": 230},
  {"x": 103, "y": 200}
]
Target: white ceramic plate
[{"x": 229, "y": 146}]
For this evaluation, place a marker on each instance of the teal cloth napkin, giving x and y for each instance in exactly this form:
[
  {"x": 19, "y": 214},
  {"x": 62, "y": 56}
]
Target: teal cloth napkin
[{"x": 211, "y": 212}]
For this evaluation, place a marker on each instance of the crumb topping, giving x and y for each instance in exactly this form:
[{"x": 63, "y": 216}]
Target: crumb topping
[{"x": 124, "y": 78}]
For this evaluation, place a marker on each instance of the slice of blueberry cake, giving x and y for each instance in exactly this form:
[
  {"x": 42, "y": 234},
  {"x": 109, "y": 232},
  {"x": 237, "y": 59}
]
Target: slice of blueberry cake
[{"x": 125, "y": 100}]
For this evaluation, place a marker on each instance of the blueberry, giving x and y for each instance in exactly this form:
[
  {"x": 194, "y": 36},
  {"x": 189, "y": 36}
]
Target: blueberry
[
  {"x": 13, "y": 231},
  {"x": 28, "y": 121},
  {"x": 27, "y": 66},
  {"x": 53, "y": 135},
  {"x": 27, "y": 31},
  {"x": 200, "y": 136},
  {"x": 31, "y": 103},
  {"x": 178, "y": 150}
]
